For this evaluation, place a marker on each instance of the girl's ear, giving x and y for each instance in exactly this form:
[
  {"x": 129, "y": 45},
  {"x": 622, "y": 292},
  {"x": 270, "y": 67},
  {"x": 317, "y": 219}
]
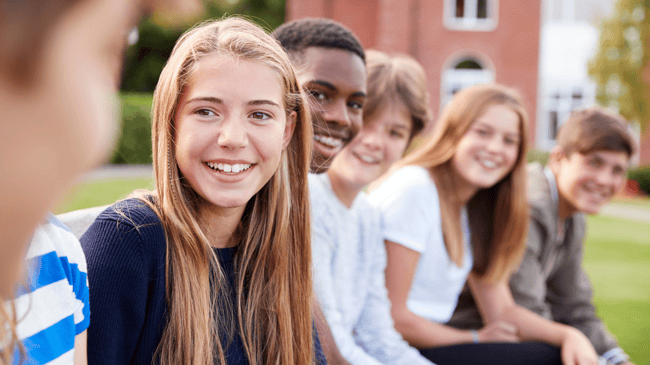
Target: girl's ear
[{"x": 288, "y": 129}]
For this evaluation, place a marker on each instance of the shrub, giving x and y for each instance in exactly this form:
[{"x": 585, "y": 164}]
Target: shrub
[
  {"x": 642, "y": 176},
  {"x": 134, "y": 145},
  {"x": 537, "y": 156}
]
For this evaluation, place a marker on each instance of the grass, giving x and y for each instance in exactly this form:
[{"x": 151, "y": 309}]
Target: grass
[
  {"x": 103, "y": 192},
  {"x": 617, "y": 259}
]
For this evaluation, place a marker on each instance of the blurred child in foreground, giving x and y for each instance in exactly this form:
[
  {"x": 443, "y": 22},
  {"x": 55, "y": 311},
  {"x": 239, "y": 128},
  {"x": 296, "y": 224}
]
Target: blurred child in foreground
[{"x": 59, "y": 71}]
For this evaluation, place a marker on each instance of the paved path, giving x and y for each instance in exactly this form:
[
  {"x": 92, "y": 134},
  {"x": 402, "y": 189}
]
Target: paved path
[
  {"x": 617, "y": 210},
  {"x": 117, "y": 172},
  {"x": 626, "y": 211}
]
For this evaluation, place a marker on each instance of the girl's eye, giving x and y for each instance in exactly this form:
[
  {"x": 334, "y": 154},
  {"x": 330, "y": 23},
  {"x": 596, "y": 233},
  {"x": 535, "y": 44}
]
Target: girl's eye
[
  {"x": 512, "y": 141},
  {"x": 396, "y": 134},
  {"x": 482, "y": 132},
  {"x": 260, "y": 115},
  {"x": 205, "y": 112}
]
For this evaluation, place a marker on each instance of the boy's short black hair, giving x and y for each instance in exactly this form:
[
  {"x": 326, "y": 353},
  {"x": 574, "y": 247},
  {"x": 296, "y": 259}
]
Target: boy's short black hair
[{"x": 297, "y": 35}]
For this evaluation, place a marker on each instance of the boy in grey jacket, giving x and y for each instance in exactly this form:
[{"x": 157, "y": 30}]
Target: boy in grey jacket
[{"x": 586, "y": 169}]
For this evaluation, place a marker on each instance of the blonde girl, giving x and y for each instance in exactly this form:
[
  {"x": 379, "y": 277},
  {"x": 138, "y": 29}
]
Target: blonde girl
[
  {"x": 214, "y": 265},
  {"x": 455, "y": 209}
]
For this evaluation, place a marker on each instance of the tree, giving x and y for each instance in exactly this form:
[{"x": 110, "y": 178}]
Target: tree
[
  {"x": 146, "y": 59},
  {"x": 620, "y": 67}
]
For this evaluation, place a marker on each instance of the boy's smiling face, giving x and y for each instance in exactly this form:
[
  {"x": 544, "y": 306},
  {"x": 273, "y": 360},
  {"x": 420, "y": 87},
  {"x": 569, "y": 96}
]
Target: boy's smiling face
[
  {"x": 586, "y": 182},
  {"x": 335, "y": 81}
]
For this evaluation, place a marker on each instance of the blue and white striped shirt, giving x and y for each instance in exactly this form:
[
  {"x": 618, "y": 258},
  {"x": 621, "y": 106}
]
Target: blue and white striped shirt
[{"x": 53, "y": 307}]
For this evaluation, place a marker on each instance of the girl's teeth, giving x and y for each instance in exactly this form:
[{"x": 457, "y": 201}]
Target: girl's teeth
[
  {"x": 489, "y": 164},
  {"x": 367, "y": 159},
  {"x": 228, "y": 168}
]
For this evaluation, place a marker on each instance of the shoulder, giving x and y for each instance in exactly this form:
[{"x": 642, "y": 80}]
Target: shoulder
[
  {"x": 410, "y": 181},
  {"x": 126, "y": 226},
  {"x": 54, "y": 236},
  {"x": 324, "y": 202},
  {"x": 131, "y": 212},
  {"x": 539, "y": 195}
]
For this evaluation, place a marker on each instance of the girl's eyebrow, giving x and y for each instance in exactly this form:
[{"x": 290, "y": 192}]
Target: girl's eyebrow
[
  {"x": 211, "y": 99},
  {"x": 400, "y": 126},
  {"x": 216, "y": 100},
  {"x": 264, "y": 102}
]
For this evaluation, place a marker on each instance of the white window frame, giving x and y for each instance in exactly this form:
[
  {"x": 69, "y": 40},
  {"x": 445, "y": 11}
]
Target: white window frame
[
  {"x": 469, "y": 21},
  {"x": 464, "y": 77}
]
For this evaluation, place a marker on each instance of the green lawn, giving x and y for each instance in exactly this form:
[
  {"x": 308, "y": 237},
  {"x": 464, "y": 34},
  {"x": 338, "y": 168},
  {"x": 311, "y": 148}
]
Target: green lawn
[
  {"x": 617, "y": 259},
  {"x": 102, "y": 192}
]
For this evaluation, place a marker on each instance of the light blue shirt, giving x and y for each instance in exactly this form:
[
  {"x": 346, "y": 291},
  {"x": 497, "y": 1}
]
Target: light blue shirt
[{"x": 349, "y": 261}]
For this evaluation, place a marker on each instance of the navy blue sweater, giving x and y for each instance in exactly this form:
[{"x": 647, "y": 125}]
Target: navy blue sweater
[{"x": 125, "y": 251}]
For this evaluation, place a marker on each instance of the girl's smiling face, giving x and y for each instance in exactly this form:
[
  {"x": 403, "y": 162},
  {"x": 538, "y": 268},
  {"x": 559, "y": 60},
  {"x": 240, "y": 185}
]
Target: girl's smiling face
[
  {"x": 231, "y": 128},
  {"x": 488, "y": 151},
  {"x": 380, "y": 143}
]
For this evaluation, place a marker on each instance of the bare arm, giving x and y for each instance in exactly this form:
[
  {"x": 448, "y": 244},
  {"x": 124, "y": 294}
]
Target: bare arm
[
  {"x": 495, "y": 303},
  {"x": 80, "y": 347},
  {"x": 418, "y": 331}
]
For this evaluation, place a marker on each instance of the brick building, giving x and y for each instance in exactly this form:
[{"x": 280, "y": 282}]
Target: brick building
[{"x": 459, "y": 42}]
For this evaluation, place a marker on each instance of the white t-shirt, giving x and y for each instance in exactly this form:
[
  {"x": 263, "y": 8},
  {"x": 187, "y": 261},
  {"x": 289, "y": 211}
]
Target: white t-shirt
[{"x": 410, "y": 208}]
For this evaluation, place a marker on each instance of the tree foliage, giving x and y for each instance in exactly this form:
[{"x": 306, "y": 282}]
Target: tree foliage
[
  {"x": 146, "y": 59},
  {"x": 620, "y": 67}
]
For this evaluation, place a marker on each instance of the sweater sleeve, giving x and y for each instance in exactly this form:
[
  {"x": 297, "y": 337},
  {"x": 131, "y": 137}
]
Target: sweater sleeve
[
  {"x": 570, "y": 295},
  {"x": 322, "y": 251},
  {"x": 119, "y": 274},
  {"x": 375, "y": 329}
]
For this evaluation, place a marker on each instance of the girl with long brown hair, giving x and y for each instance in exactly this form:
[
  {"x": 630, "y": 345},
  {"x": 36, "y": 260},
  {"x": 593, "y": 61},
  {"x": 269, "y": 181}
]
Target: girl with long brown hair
[
  {"x": 455, "y": 210},
  {"x": 214, "y": 265}
]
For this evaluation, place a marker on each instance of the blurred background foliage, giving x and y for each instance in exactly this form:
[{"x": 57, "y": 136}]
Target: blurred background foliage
[
  {"x": 620, "y": 65},
  {"x": 146, "y": 58}
]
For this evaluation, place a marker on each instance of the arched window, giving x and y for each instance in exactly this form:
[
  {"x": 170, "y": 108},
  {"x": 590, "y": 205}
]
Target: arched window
[{"x": 461, "y": 73}]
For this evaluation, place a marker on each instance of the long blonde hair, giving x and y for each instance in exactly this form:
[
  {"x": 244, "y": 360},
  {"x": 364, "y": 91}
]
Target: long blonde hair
[
  {"x": 498, "y": 215},
  {"x": 8, "y": 336},
  {"x": 273, "y": 284}
]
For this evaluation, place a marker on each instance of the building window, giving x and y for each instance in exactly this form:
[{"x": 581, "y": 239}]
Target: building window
[
  {"x": 477, "y": 15},
  {"x": 464, "y": 72},
  {"x": 556, "y": 106}
]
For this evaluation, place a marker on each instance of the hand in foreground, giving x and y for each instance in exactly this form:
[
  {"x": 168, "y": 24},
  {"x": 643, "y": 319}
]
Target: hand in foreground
[
  {"x": 577, "y": 350},
  {"x": 498, "y": 331}
]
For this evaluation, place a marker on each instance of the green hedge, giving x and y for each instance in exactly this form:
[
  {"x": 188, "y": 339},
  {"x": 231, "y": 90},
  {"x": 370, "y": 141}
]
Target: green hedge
[
  {"x": 134, "y": 145},
  {"x": 537, "y": 156},
  {"x": 642, "y": 176}
]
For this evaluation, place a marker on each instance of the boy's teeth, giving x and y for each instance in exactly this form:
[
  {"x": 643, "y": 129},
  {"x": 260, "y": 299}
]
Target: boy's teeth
[
  {"x": 228, "y": 168},
  {"x": 330, "y": 141}
]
